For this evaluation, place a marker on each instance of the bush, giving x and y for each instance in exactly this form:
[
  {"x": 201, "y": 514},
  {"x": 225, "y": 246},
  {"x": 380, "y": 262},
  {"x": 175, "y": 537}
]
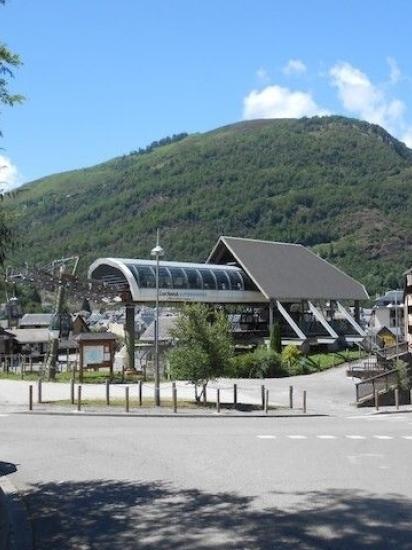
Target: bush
[{"x": 260, "y": 363}]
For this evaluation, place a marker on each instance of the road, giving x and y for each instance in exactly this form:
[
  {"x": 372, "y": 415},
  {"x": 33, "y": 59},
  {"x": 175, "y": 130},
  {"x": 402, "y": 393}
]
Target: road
[{"x": 213, "y": 482}]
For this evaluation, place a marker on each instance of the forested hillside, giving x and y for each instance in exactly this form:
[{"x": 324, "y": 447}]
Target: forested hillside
[{"x": 338, "y": 185}]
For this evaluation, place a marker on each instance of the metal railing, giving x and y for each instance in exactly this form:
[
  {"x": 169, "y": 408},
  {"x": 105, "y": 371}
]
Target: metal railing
[{"x": 380, "y": 383}]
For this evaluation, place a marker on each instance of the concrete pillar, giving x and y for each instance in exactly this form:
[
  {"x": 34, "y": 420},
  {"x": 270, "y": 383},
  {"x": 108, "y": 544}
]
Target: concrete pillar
[
  {"x": 271, "y": 316},
  {"x": 129, "y": 336}
]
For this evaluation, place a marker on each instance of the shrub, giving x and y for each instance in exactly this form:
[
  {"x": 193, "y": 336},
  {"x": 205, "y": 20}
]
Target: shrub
[{"x": 260, "y": 363}]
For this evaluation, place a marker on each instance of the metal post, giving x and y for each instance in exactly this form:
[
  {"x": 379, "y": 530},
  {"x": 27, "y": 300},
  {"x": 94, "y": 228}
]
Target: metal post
[
  {"x": 79, "y": 398},
  {"x": 127, "y": 398},
  {"x": 72, "y": 391},
  {"x": 218, "y": 400},
  {"x": 262, "y": 394},
  {"x": 397, "y": 398},
  {"x": 39, "y": 391},
  {"x": 107, "y": 392},
  {"x": 235, "y": 395},
  {"x": 157, "y": 252},
  {"x": 174, "y": 395},
  {"x": 204, "y": 395},
  {"x": 140, "y": 393},
  {"x": 267, "y": 401},
  {"x": 30, "y": 397},
  {"x": 304, "y": 401},
  {"x": 377, "y": 400},
  {"x": 290, "y": 397}
]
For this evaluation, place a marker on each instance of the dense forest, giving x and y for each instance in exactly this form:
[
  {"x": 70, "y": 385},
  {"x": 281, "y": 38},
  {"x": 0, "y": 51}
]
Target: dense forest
[{"x": 338, "y": 185}]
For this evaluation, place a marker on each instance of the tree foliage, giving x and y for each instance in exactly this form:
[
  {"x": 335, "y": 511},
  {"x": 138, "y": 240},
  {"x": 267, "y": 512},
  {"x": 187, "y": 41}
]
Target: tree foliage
[
  {"x": 276, "y": 337},
  {"x": 203, "y": 345}
]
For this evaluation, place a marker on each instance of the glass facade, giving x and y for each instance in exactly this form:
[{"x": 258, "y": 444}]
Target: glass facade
[{"x": 194, "y": 278}]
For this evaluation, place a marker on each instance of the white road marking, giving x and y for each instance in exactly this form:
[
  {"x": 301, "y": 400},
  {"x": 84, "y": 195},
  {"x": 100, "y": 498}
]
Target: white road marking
[
  {"x": 326, "y": 436},
  {"x": 383, "y": 437},
  {"x": 266, "y": 437},
  {"x": 407, "y": 436},
  {"x": 297, "y": 437},
  {"x": 3, "y": 415},
  {"x": 355, "y": 437}
]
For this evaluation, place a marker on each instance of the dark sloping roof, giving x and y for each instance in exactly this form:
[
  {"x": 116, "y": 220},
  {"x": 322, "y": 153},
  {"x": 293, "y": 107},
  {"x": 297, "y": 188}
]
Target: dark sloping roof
[
  {"x": 92, "y": 336},
  {"x": 33, "y": 319},
  {"x": 288, "y": 271}
]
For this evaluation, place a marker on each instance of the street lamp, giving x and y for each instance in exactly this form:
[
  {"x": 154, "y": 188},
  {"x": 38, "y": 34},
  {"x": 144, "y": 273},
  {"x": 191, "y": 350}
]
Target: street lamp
[{"x": 157, "y": 252}]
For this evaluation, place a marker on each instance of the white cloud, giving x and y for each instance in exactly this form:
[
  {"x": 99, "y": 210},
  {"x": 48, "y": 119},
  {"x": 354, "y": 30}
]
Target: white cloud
[
  {"x": 294, "y": 66},
  {"x": 9, "y": 174},
  {"x": 363, "y": 98},
  {"x": 262, "y": 74},
  {"x": 394, "y": 70},
  {"x": 278, "y": 102}
]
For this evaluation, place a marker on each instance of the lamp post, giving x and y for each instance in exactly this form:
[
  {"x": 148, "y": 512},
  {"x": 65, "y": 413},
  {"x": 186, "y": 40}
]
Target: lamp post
[{"x": 157, "y": 251}]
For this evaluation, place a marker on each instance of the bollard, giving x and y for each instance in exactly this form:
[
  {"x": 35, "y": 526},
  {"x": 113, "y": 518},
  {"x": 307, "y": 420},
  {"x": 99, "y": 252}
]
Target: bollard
[
  {"x": 290, "y": 397},
  {"x": 72, "y": 391},
  {"x": 262, "y": 392},
  {"x": 234, "y": 396},
  {"x": 304, "y": 401},
  {"x": 123, "y": 374},
  {"x": 218, "y": 400},
  {"x": 174, "y": 395},
  {"x": 79, "y": 398},
  {"x": 39, "y": 391},
  {"x": 376, "y": 400},
  {"x": 204, "y": 395},
  {"x": 140, "y": 393},
  {"x": 30, "y": 397},
  {"x": 267, "y": 401},
  {"x": 107, "y": 392},
  {"x": 127, "y": 398},
  {"x": 397, "y": 398}
]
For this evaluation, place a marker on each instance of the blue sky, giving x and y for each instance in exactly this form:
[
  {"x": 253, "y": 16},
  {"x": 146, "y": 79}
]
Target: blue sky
[{"x": 105, "y": 77}]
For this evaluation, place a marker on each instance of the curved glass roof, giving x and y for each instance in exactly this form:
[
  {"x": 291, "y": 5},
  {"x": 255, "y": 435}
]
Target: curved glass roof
[{"x": 172, "y": 275}]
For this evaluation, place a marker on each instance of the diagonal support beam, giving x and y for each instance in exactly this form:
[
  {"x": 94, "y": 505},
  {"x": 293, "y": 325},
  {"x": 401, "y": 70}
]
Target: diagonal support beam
[
  {"x": 290, "y": 321},
  {"x": 351, "y": 320},
  {"x": 319, "y": 316}
]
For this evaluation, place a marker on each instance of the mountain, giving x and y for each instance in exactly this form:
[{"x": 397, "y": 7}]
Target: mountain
[{"x": 338, "y": 185}]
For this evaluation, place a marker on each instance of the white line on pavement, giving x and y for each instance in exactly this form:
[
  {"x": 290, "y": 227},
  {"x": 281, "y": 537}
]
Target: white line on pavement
[
  {"x": 297, "y": 437},
  {"x": 355, "y": 437},
  {"x": 266, "y": 437},
  {"x": 326, "y": 436},
  {"x": 407, "y": 436},
  {"x": 383, "y": 437}
]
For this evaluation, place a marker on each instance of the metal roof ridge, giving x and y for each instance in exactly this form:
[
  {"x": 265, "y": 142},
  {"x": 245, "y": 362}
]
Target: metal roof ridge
[{"x": 259, "y": 240}]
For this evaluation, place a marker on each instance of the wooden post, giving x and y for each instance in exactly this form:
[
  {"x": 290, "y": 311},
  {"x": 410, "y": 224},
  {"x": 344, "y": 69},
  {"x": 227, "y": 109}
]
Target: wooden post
[
  {"x": 290, "y": 397},
  {"x": 234, "y": 396},
  {"x": 72, "y": 390},
  {"x": 397, "y": 398},
  {"x": 81, "y": 363},
  {"x": 304, "y": 401},
  {"x": 377, "y": 400},
  {"x": 30, "y": 363},
  {"x": 39, "y": 391},
  {"x": 262, "y": 394},
  {"x": 129, "y": 335},
  {"x": 266, "y": 401},
  {"x": 204, "y": 395},
  {"x": 174, "y": 395},
  {"x": 123, "y": 374},
  {"x": 107, "y": 392},
  {"x": 218, "y": 400},
  {"x": 140, "y": 393},
  {"x": 79, "y": 398},
  {"x": 127, "y": 398},
  {"x": 30, "y": 397}
]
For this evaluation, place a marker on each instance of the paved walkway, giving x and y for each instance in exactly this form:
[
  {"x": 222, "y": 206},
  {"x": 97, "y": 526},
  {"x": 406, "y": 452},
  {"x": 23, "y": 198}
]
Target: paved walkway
[{"x": 328, "y": 392}]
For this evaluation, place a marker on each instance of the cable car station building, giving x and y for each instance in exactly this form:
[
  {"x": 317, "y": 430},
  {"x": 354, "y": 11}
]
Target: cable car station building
[{"x": 267, "y": 281}]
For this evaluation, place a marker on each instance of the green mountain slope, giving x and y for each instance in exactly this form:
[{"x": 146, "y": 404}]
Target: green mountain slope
[{"x": 339, "y": 185}]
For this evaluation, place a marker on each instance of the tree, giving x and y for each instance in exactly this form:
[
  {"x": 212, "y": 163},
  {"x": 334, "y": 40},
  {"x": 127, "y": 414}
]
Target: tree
[
  {"x": 276, "y": 338},
  {"x": 290, "y": 355},
  {"x": 8, "y": 61},
  {"x": 204, "y": 346}
]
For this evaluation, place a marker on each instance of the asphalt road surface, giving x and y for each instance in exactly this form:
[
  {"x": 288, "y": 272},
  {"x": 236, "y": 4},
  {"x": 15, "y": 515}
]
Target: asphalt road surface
[{"x": 202, "y": 483}]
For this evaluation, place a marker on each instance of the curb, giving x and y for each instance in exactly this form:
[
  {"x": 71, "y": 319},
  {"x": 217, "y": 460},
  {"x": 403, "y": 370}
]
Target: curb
[
  {"x": 17, "y": 533},
  {"x": 169, "y": 415}
]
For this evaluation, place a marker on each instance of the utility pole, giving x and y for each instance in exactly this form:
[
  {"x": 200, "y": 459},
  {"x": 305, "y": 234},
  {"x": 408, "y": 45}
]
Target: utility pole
[
  {"x": 53, "y": 351},
  {"x": 157, "y": 252}
]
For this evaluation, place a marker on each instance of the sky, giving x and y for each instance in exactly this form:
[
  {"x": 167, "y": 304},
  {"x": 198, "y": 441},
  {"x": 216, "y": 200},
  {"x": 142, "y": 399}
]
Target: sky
[{"x": 102, "y": 78}]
